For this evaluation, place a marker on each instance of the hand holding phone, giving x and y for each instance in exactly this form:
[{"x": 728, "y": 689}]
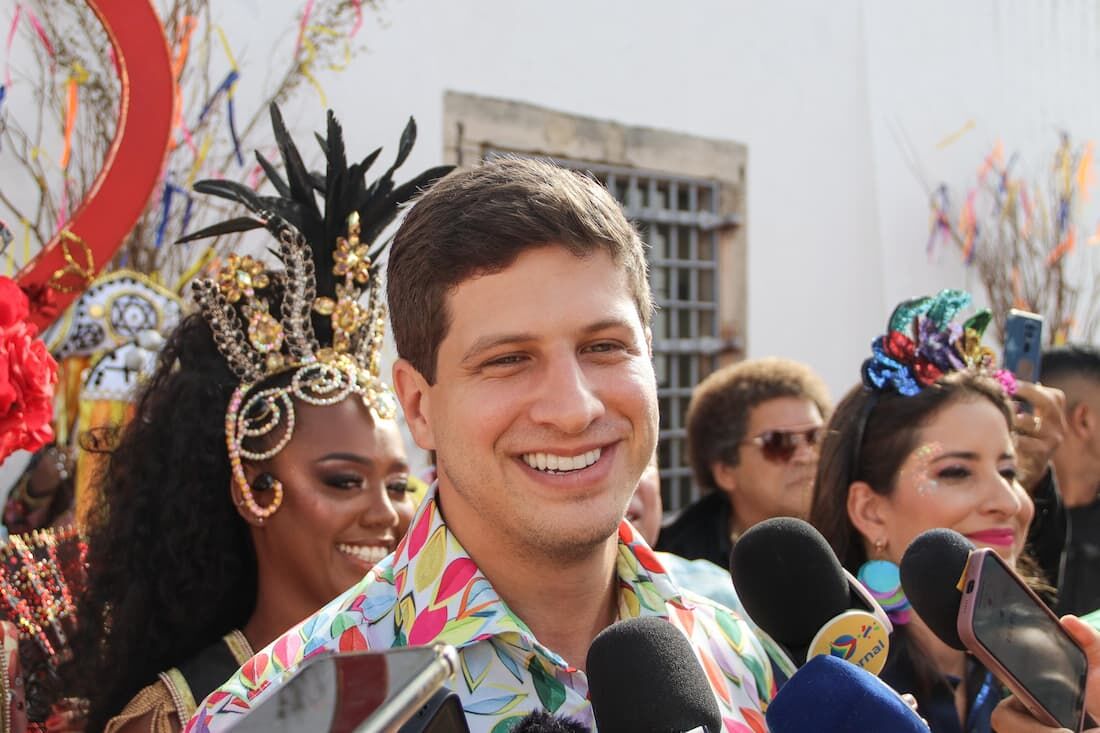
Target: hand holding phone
[
  {"x": 1012, "y": 717},
  {"x": 1010, "y": 631}
]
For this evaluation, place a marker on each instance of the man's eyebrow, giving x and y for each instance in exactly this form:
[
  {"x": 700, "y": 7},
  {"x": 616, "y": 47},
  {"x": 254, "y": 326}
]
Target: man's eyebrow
[{"x": 486, "y": 343}]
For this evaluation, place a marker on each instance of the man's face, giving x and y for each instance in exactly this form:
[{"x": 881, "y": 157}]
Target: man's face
[
  {"x": 769, "y": 483},
  {"x": 544, "y": 410}
]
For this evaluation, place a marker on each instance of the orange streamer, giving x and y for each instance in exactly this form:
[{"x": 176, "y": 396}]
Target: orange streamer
[
  {"x": 70, "y": 121},
  {"x": 1063, "y": 248}
]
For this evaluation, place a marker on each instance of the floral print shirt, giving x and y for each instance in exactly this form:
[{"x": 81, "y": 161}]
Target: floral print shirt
[{"x": 430, "y": 591}]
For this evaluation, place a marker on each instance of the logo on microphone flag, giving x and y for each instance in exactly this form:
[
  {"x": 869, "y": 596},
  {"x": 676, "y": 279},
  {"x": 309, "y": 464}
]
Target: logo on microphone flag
[{"x": 854, "y": 636}]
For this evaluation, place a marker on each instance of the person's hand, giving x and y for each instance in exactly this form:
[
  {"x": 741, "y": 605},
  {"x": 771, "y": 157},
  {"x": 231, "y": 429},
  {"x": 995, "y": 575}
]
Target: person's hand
[
  {"x": 1039, "y": 432},
  {"x": 1011, "y": 716}
]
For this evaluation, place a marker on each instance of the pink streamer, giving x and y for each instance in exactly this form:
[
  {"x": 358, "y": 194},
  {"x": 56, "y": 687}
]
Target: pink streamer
[
  {"x": 41, "y": 33},
  {"x": 254, "y": 176},
  {"x": 11, "y": 37},
  {"x": 302, "y": 26},
  {"x": 358, "y": 17},
  {"x": 188, "y": 139},
  {"x": 63, "y": 206}
]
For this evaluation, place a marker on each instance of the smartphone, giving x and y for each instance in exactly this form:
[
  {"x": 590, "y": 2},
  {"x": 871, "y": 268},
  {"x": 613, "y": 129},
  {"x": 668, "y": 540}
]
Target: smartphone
[
  {"x": 1010, "y": 631},
  {"x": 1023, "y": 344}
]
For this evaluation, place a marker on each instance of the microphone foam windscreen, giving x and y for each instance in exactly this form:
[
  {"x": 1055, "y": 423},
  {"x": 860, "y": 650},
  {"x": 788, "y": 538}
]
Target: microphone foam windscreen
[
  {"x": 541, "y": 721},
  {"x": 930, "y": 572},
  {"x": 788, "y": 579},
  {"x": 643, "y": 676},
  {"x": 829, "y": 695}
]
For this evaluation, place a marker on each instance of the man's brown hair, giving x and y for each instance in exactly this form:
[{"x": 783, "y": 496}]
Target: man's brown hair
[
  {"x": 718, "y": 415},
  {"x": 478, "y": 221}
]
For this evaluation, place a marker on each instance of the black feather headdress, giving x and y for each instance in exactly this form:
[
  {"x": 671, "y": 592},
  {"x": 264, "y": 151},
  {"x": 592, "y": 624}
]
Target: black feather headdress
[{"x": 339, "y": 218}]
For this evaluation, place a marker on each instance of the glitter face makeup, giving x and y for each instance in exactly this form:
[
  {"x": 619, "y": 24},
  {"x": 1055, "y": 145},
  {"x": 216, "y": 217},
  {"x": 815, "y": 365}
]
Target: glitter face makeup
[{"x": 920, "y": 471}]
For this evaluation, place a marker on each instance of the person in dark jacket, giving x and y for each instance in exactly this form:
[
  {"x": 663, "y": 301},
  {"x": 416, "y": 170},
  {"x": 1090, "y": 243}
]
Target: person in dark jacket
[{"x": 752, "y": 434}]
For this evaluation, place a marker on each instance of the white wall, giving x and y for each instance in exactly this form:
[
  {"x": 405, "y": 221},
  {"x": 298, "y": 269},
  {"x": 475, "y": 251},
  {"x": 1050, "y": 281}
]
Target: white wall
[{"x": 836, "y": 221}]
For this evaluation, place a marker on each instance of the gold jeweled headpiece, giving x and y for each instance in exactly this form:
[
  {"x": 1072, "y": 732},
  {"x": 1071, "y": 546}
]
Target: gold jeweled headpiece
[{"x": 322, "y": 318}]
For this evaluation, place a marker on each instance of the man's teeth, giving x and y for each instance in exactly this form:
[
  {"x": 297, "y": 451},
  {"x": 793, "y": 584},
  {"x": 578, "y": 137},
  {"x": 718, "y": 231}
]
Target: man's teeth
[
  {"x": 367, "y": 553},
  {"x": 551, "y": 462}
]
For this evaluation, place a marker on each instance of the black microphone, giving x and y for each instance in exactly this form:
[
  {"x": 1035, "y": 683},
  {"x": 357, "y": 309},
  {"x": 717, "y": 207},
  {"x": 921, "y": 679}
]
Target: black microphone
[
  {"x": 643, "y": 676},
  {"x": 541, "y": 721},
  {"x": 930, "y": 571},
  {"x": 794, "y": 588},
  {"x": 831, "y": 696}
]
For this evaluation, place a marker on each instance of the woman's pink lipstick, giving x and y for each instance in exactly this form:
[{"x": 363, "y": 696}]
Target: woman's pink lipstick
[{"x": 994, "y": 537}]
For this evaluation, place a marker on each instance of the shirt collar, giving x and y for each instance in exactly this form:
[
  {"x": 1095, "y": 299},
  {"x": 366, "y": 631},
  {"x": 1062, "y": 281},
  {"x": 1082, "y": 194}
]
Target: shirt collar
[{"x": 441, "y": 594}]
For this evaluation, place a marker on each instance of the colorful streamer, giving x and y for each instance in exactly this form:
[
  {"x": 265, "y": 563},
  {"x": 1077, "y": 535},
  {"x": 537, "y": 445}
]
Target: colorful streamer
[
  {"x": 38, "y": 29},
  {"x": 302, "y": 27},
  {"x": 165, "y": 212},
  {"x": 11, "y": 38},
  {"x": 358, "y": 18},
  {"x": 955, "y": 136}
]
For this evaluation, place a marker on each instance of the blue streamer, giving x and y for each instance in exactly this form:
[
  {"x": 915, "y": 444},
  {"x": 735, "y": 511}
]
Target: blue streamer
[
  {"x": 186, "y": 214},
  {"x": 165, "y": 209}
]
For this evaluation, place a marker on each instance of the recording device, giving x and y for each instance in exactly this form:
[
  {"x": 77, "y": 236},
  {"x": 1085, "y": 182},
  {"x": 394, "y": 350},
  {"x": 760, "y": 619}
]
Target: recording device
[
  {"x": 990, "y": 611},
  {"x": 794, "y": 588},
  {"x": 857, "y": 701},
  {"x": 1023, "y": 344},
  {"x": 643, "y": 676},
  {"x": 541, "y": 721},
  {"x": 391, "y": 691}
]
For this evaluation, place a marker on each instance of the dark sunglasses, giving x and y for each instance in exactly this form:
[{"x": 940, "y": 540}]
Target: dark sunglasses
[{"x": 779, "y": 446}]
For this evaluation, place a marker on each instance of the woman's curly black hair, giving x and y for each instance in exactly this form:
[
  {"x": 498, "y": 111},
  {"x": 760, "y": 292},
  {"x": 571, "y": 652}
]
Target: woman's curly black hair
[{"x": 171, "y": 566}]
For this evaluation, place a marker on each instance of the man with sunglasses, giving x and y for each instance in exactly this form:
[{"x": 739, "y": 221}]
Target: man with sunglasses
[{"x": 753, "y": 429}]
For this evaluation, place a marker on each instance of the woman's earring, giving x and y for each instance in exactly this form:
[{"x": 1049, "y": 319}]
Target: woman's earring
[
  {"x": 264, "y": 482},
  {"x": 883, "y": 580}
]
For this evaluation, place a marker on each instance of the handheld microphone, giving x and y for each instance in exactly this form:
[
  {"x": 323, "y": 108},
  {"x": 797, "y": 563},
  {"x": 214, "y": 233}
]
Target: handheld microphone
[
  {"x": 930, "y": 571},
  {"x": 643, "y": 675},
  {"x": 856, "y": 702},
  {"x": 541, "y": 721},
  {"x": 794, "y": 588}
]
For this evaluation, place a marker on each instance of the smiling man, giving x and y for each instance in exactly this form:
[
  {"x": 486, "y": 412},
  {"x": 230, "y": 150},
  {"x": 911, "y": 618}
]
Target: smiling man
[{"x": 520, "y": 308}]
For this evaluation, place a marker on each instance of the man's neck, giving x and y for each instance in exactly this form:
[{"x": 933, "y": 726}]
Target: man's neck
[
  {"x": 1079, "y": 484},
  {"x": 565, "y": 603}
]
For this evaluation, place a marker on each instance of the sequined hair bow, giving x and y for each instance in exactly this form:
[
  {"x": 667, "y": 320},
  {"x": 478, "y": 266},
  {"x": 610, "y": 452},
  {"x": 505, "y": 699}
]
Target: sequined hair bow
[{"x": 923, "y": 343}]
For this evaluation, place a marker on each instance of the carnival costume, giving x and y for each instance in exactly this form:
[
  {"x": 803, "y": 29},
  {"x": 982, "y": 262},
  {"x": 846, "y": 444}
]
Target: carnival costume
[{"x": 311, "y": 332}]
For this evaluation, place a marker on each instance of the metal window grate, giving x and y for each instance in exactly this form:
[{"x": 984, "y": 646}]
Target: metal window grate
[{"x": 679, "y": 218}]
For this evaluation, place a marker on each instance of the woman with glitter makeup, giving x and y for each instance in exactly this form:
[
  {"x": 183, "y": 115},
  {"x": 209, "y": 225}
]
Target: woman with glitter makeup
[
  {"x": 263, "y": 472},
  {"x": 926, "y": 441}
]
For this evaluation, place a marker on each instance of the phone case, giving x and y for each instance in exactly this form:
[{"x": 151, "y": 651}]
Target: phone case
[
  {"x": 969, "y": 585},
  {"x": 1023, "y": 344}
]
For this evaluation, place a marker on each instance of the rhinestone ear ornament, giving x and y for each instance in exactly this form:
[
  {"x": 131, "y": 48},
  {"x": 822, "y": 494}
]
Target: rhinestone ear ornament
[{"x": 311, "y": 332}]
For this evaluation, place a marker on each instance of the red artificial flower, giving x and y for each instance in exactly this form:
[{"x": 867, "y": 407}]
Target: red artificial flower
[
  {"x": 900, "y": 347},
  {"x": 27, "y": 377},
  {"x": 14, "y": 306},
  {"x": 927, "y": 372}
]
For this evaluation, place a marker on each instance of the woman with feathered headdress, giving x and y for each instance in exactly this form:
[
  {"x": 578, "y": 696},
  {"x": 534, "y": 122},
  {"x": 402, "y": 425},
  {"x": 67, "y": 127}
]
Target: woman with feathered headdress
[{"x": 263, "y": 472}]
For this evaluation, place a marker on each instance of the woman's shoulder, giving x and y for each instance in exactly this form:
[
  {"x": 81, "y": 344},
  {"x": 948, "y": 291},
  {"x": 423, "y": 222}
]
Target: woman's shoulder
[{"x": 153, "y": 710}]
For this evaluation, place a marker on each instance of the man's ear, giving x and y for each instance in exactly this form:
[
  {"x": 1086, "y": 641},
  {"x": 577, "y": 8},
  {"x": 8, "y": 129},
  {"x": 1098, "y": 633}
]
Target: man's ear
[
  {"x": 649, "y": 340},
  {"x": 868, "y": 511},
  {"x": 413, "y": 392},
  {"x": 1081, "y": 420},
  {"x": 725, "y": 476}
]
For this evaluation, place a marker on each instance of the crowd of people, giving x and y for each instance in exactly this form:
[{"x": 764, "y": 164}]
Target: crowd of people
[{"x": 258, "y": 511}]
